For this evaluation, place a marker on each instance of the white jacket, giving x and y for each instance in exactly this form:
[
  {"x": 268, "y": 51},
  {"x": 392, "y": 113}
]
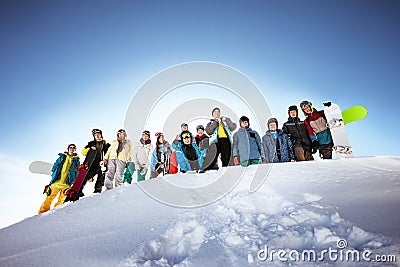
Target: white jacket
[
  {"x": 141, "y": 155},
  {"x": 125, "y": 155}
]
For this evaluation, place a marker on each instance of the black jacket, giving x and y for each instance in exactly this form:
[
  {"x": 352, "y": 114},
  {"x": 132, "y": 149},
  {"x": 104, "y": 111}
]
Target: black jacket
[
  {"x": 297, "y": 131},
  {"x": 102, "y": 144}
]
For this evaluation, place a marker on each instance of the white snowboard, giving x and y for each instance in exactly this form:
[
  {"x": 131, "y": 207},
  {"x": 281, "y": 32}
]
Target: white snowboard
[
  {"x": 40, "y": 167},
  {"x": 335, "y": 122}
]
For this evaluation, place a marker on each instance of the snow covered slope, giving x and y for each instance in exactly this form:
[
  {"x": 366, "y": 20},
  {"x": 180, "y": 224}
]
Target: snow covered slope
[{"x": 301, "y": 206}]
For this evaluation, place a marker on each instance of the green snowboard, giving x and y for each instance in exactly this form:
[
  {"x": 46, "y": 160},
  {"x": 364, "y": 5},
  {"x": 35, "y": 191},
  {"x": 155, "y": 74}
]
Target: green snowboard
[{"x": 354, "y": 113}]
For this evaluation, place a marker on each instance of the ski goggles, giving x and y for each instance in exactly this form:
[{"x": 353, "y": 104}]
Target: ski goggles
[
  {"x": 305, "y": 104},
  {"x": 146, "y": 133},
  {"x": 121, "y": 131},
  {"x": 186, "y": 135}
]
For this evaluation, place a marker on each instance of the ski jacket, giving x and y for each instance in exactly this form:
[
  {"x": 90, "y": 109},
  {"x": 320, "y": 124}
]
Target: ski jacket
[
  {"x": 285, "y": 146},
  {"x": 141, "y": 154},
  {"x": 247, "y": 145},
  {"x": 58, "y": 165},
  {"x": 317, "y": 127},
  {"x": 298, "y": 133},
  {"x": 124, "y": 155},
  {"x": 183, "y": 161},
  {"x": 164, "y": 152},
  {"x": 103, "y": 145},
  {"x": 213, "y": 125}
]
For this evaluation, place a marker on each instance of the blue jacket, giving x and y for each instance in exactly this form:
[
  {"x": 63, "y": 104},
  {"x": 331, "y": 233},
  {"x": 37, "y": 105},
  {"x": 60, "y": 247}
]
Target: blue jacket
[
  {"x": 247, "y": 145},
  {"x": 286, "y": 147},
  {"x": 183, "y": 162},
  {"x": 164, "y": 149},
  {"x": 57, "y": 167}
]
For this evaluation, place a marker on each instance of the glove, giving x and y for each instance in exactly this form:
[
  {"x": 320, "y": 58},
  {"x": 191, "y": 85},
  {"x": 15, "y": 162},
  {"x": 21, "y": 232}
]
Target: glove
[
  {"x": 236, "y": 160},
  {"x": 47, "y": 190},
  {"x": 103, "y": 165},
  {"x": 143, "y": 171},
  {"x": 315, "y": 144}
]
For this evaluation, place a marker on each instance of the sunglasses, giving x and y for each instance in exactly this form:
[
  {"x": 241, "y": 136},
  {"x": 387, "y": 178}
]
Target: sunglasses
[
  {"x": 72, "y": 147},
  {"x": 159, "y": 134}
]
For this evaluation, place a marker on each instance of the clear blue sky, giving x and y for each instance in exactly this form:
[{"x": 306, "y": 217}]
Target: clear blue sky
[
  {"x": 70, "y": 66},
  {"x": 85, "y": 59}
]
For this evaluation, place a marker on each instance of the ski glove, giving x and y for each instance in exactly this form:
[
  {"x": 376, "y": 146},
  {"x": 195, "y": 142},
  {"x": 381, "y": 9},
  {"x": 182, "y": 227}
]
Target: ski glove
[
  {"x": 236, "y": 160},
  {"x": 47, "y": 190}
]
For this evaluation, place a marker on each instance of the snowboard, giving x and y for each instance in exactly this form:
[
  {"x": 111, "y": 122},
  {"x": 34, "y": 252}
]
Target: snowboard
[
  {"x": 72, "y": 193},
  {"x": 173, "y": 164},
  {"x": 354, "y": 113},
  {"x": 41, "y": 167},
  {"x": 335, "y": 123}
]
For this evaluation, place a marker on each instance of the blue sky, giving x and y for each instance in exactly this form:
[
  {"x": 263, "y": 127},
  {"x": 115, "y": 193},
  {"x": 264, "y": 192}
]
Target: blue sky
[
  {"x": 69, "y": 66},
  {"x": 62, "y": 56}
]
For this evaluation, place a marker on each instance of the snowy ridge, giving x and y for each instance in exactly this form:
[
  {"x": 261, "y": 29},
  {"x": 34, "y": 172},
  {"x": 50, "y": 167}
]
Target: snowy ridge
[{"x": 301, "y": 206}]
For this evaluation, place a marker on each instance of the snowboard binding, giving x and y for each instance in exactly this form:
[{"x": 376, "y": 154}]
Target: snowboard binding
[
  {"x": 343, "y": 149},
  {"x": 333, "y": 123}
]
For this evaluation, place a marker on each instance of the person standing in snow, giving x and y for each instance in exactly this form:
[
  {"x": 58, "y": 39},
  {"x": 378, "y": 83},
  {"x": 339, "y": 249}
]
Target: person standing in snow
[
  {"x": 298, "y": 134},
  {"x": 277, "y": 144},
  {"x": 317, "y": 129},
  {"x": 202, "y": 141},
  {"x": 184, "y": 127},
  {"x": 220, "y": 130},
  {"x": 160, "y": 156},
  {"x": 100, "y": 146},
  {"x": 188, "y": 154},
  {"x": 141, "y": 153},
  {"x": 116, "y": 159},
  {"x": 247, "y": 146},
  {"x": 63, "y": 176}
]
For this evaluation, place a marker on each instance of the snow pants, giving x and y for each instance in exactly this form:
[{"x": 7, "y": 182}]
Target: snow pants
[
  {"x": 224, "y": 147},
  {"x": 115, "y": 171},
  {"x": 140, "y": 176},
  {"x": 49, "y": 199},
  {"x": 302, "y": 154},
  {"x": 325, "y": 151}
]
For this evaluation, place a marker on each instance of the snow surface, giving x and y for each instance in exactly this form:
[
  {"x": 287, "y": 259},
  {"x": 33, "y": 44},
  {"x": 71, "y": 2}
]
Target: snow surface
[{"x": 300, "y": 206}]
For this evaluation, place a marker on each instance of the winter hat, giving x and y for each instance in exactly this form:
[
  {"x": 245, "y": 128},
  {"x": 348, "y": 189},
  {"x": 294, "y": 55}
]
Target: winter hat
[
  {"x": 199, "y": 127},
  {"x": 95, "y": 131},
  {"x": 184, "y": 124},
  {"x": 271, "y": 121},
  {"x": 185, "y": 134},
  {"x": 146, "y": 132},
  {"x": 214, "y": 109},
  {"x": 293, "y": 107}
]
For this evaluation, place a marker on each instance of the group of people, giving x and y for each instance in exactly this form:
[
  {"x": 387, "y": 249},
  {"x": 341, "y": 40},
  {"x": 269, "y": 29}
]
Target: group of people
[{"x": 117, "y": 162}]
